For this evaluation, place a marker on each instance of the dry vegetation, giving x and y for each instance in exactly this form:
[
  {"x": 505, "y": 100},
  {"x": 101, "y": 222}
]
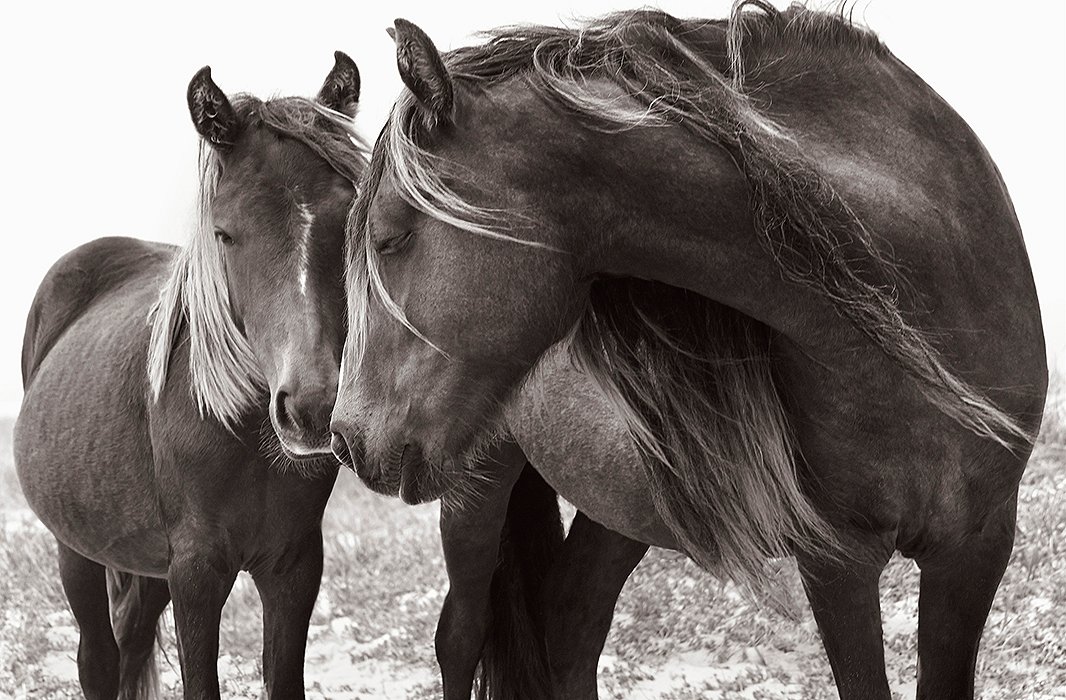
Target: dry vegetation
[{"x": 678, "y": 633}]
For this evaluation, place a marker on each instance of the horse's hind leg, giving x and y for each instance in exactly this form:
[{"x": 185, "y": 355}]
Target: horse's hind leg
[
  {"x": 137, "y": 602},
  {"x": 847, "y": 608},
  {"x": 957, "y": 588},
  {"x": 288, "y": 589},
  {"x": 581, "y": 591},
  {"x": 98, "y": 656}
]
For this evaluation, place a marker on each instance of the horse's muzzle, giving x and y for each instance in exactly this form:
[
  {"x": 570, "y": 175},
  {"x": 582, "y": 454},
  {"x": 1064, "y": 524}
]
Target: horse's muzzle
[{"x": 349, "y": 449}]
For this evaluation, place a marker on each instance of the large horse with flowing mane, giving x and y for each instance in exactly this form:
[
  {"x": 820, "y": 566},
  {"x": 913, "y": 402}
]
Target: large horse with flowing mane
[
  {"x": 791, "y": 270},
  {"x": 174, "y": 428}
]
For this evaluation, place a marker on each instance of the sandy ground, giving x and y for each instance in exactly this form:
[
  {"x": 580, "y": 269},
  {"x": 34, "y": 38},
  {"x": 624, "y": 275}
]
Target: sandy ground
[{"x": 678, "y": 633}]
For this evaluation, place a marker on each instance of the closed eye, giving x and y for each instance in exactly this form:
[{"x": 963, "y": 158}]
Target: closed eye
[
  {"x": 223, "y": 237},
  {"x": 393, "y": 245}
]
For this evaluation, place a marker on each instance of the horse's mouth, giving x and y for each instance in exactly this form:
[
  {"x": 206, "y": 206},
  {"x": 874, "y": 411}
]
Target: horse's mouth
[
  {"x": 379, "y": 483},
  {"x": 306, "y": 454},
  {"x": 451, "y": 475}
]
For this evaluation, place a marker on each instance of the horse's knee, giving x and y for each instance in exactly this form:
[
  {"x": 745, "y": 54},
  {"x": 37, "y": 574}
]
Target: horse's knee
[
  {"x": 461, "y": 628},
  {"x": 460, "y": 637}
]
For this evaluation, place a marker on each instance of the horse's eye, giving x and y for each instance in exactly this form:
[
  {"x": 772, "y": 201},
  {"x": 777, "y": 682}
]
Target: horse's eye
[
  {"x": 395, "y": 244},
  {"x": 223, "y": 237}
]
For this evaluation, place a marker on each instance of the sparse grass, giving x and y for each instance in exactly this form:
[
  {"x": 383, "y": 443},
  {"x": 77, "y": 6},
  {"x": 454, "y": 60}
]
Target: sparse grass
[{"x": 678, "y": 633}]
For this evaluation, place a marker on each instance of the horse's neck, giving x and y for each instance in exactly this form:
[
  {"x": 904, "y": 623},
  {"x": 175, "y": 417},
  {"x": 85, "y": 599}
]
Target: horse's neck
[
  {"x": 177, "y": 417},
  {"x": 691, "y": 224},
  {"x": 691, "y": 227}
]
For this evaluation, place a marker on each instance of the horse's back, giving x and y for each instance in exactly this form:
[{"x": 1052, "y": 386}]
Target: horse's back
[{"x": 82, "y": 447}]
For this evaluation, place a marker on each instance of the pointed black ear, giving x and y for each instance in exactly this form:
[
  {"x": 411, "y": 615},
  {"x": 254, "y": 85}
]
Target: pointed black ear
[
  {"x": 340, "y": 92},
  {"x": 212, "y": 114},
  {"x": 423, "y": 72}
]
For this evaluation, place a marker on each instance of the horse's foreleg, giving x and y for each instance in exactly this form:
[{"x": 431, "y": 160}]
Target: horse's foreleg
[
  {"x": 471, "y": 542},
  {"x": 847, "y": 608},
  {"x": 98, "y": 656},
  {"x": 957, "y": 588},
  {"x": 580, "y": 594},
  {"x": 200, "y": 581},
  {"x": 288, "y": 590}
]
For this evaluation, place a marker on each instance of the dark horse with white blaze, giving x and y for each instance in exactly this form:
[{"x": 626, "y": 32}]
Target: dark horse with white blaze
[
  {"x": 175, "y": 423},
  {"x": 792, "y": 271}
]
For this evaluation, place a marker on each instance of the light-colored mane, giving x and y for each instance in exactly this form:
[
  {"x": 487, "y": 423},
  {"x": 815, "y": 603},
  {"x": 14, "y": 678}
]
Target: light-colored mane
[
  {"x": 225, "y": 378},
  {"x": 194, "y": 304}
]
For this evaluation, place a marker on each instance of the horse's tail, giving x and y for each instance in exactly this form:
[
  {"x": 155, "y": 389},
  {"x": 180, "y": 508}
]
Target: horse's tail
[
  {"x": 514, "y": 661},
  {"x": 127, "y": 592}
]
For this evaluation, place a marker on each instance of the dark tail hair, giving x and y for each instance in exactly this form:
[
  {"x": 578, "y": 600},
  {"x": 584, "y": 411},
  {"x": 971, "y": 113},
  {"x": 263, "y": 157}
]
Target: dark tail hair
[
  {"x": 514, "y": 661},
  {"x": 126, "y": 592}
]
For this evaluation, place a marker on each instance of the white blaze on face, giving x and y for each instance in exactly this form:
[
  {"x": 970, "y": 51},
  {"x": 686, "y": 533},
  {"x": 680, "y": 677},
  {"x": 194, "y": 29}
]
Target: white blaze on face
[{"x": 303, "y": 241}]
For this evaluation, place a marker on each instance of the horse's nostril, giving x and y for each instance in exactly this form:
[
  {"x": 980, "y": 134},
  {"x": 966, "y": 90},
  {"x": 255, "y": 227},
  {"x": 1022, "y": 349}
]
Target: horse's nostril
[
  {"x": 300, "y": 413},
  {"x": 341, "y": 451},
  {"x": 282, "y": 416}
]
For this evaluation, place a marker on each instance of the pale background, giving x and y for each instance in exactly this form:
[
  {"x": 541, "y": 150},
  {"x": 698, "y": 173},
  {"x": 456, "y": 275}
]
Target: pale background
[{"x": 97, "y": 139}]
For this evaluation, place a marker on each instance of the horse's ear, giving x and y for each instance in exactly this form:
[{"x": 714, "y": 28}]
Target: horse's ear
[
  {"x": 422, "y": 70},
  {"x": 211, "y": 111},
  {"x": 340, "y": 92}
]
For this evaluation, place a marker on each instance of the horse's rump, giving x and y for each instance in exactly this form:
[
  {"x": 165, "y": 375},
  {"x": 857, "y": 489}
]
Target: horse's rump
[
  {"x": 77, "y": 281},
  {"x": 82, "y": 448}
]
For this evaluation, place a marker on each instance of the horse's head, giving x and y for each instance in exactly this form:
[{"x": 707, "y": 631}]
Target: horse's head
[
  {"x": 449, "y": 311},
  {"x": 277, "y": 185}
]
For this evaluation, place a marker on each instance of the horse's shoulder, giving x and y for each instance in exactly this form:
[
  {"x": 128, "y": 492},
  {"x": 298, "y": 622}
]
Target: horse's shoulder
[{"x": 80, "y": 278}]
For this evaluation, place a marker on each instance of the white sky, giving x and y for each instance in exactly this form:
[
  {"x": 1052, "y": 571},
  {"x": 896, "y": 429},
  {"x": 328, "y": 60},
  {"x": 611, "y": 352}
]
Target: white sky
[{"x": 97, "y": 139}]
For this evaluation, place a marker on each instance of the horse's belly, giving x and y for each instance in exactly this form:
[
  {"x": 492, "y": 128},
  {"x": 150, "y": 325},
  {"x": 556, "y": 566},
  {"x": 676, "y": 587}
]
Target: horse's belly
[
  {"x": 84, "y": 461},
  {"x": 103, "y": 525},
  {"x": 570, "y": 435}
]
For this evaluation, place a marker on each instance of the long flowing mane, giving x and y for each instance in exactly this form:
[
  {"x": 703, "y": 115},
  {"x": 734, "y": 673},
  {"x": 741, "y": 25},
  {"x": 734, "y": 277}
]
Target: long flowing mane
[
  {"x": 194, "y": 303},
  {"x": 705, "y": 412}
]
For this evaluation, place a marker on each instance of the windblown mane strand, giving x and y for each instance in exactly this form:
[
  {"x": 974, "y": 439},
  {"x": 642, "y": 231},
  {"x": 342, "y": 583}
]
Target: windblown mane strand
[
  {"x": 225, "y": 378},
  {"x": 798, "y": 35},
  {"x": 364, "y": 281}
]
